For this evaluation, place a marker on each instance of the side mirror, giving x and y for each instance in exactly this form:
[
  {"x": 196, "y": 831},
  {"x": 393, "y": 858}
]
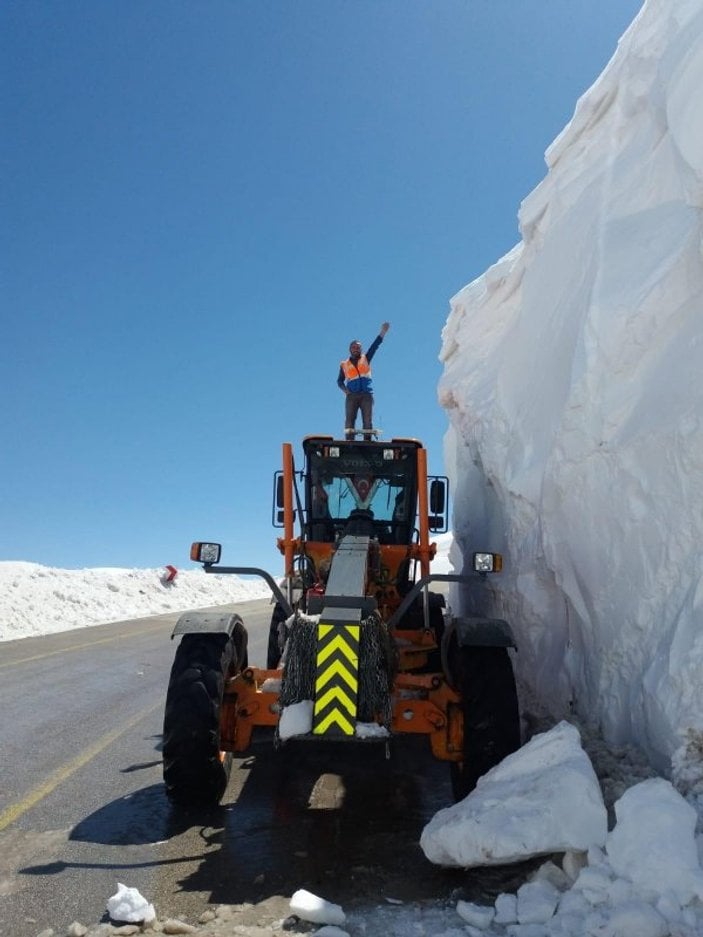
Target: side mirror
[
  {"x": 438, "y": 496},
  {"x": 437, "y": 521},
  {"x": 277, "y": 510}
]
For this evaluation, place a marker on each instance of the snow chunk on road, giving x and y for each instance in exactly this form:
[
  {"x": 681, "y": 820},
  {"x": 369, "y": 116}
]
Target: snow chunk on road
[
  {"x": 311, "y": 908},
  {"x": 476, "y": 915},
  {"x": 130, "y": 906},
  {"x": 536, "y": 902},
  {"x": 371, "y": 730},
  {"x": 653, "y": 843},
  {"x": 636, "y": 919},
  {"x": 543, "y": 798}
]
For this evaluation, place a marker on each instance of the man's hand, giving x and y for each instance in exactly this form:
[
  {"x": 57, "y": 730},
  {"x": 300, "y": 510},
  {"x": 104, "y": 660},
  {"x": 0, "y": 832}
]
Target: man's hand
[{"x": 384, "y": 328}]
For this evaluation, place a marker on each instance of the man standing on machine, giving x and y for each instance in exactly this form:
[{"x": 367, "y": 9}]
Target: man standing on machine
[{"x": 354, "y": 380}]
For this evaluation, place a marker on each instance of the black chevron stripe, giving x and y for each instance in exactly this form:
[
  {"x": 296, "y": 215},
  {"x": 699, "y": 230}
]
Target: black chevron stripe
[
  {"x": 335, "y": 657},
  {"x": 333, "y": 706}
]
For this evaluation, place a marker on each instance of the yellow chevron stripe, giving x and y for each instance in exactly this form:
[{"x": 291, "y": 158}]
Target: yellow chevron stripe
[
  {"x": 353, "y": 631},
  {"x": 337, "y": 669},
  {"x": 336, "y": 692},
  {"x": 324, "y": 628},
  {"x": 338, "y": 644},
  {"x": 337, "y": 678},
  {"x": 334, "y": 717}
]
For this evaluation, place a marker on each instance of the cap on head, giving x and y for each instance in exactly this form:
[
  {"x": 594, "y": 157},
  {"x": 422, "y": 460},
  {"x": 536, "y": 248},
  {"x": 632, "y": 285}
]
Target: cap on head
[{"x": 354, "y": 345}]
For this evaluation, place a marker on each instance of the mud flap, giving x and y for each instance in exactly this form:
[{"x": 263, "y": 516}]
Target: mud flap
[
  {"x": 206, "y": 623},
  {"x": 483, "y": 632},
  {"x": 216, "y": 623},
  {"x": 472, "y": 632}
]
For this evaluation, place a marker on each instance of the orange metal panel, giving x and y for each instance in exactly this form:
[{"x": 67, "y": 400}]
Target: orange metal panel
[
  {"x": 433, "y": 709},
  {"x": 423, "y": 511},
  {"x": 288, "y": 506},
  {"x": 246, "y": 706}
]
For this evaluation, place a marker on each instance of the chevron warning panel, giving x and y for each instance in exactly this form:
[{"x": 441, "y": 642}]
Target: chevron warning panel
[{"x": 336, "y": 679}]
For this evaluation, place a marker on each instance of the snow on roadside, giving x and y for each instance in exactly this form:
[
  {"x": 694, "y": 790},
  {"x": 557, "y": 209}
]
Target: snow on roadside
[
  {"x": 37, "y": 600},
  {"x": 542, "y": 799},
  {"x": 641, "y": 879}
]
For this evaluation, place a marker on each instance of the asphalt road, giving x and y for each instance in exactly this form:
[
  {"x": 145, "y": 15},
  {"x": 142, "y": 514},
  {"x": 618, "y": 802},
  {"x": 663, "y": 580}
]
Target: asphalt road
[
  {"x": 82, "y": 804},
  {"x": 81, "y": 798}
]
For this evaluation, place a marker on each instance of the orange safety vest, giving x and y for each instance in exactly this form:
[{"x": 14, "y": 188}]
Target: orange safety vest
[{"x": 357, "y": 376}]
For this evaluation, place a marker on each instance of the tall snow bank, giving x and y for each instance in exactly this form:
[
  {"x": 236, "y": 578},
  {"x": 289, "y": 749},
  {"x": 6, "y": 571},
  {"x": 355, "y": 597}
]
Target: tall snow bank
[{"x": 573, "y": 384}]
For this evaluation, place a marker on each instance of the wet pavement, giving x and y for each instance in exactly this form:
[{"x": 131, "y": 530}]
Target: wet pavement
[{"x": 340, "y": 820}]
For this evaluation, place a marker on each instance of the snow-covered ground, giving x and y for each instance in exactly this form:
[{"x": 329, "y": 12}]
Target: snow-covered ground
[
  {"x": 573, "y": 385},
  {"x": 38, "y": 599}
]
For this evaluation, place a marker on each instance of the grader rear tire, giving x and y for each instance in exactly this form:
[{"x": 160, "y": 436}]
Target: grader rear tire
[
  {"x": 276, "y": 640},
  {"x": 195, "y": 770},
  {"x": 485, "y": 679}
]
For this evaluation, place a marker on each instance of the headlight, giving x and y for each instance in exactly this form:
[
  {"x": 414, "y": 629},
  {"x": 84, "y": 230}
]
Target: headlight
[
  {"x": 208, "y": 553},
  {"x": 488, "y": 562}
]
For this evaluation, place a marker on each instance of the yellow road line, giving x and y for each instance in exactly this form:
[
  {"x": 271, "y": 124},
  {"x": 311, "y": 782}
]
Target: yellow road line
[
  {"x": 14, "y": 811},
  {"x": 75, "y": 647}
]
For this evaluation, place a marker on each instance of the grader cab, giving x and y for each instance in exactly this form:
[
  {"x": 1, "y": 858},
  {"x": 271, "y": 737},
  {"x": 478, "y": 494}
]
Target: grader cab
[{"x": 360, "y": 648}]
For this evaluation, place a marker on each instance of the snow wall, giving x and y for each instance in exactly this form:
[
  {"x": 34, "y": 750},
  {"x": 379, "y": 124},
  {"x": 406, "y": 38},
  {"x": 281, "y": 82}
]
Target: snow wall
[{"x": 573, "y": 383}]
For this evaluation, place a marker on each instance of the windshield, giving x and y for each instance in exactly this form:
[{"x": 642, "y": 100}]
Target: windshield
[
  {"x": 384, "y": 497},
  {"x": 382, "y": 480}
]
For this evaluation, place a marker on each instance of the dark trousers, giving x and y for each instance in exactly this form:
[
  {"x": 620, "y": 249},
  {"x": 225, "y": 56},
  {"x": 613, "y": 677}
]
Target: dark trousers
[{"x": 352, "y": 404}]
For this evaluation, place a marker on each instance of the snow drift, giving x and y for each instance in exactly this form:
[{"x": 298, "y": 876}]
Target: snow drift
[
  {"x": 544, "y": 798},
  {"x": 573, "y": 385},
  {"x": 37, "y": 599}
]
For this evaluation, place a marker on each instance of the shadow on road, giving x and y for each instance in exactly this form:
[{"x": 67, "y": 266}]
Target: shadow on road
[
  {"x": 144, "y": 816},
  {"x": 340, "y": 820}
]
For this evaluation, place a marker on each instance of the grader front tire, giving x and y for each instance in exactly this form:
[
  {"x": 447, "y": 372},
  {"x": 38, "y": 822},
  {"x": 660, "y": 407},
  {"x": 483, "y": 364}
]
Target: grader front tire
[{"x": 196, "y": 771}]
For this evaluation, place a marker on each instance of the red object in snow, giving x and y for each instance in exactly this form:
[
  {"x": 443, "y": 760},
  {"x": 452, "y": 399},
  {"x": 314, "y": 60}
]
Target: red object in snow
[{"x": 170, "y": 573}]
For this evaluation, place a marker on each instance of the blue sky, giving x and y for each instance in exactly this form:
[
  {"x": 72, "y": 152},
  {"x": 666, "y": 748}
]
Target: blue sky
[{"x": 204, "y": 202}]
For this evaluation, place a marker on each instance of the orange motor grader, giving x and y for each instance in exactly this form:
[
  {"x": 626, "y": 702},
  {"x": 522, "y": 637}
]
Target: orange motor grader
[{"x": 360, "y": 647}]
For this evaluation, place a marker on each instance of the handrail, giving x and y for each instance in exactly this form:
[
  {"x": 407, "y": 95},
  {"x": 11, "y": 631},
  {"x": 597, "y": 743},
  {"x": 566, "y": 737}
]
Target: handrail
[
  {"x": 417, "y": 588},
  {"x": 256, "y": 571}
]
